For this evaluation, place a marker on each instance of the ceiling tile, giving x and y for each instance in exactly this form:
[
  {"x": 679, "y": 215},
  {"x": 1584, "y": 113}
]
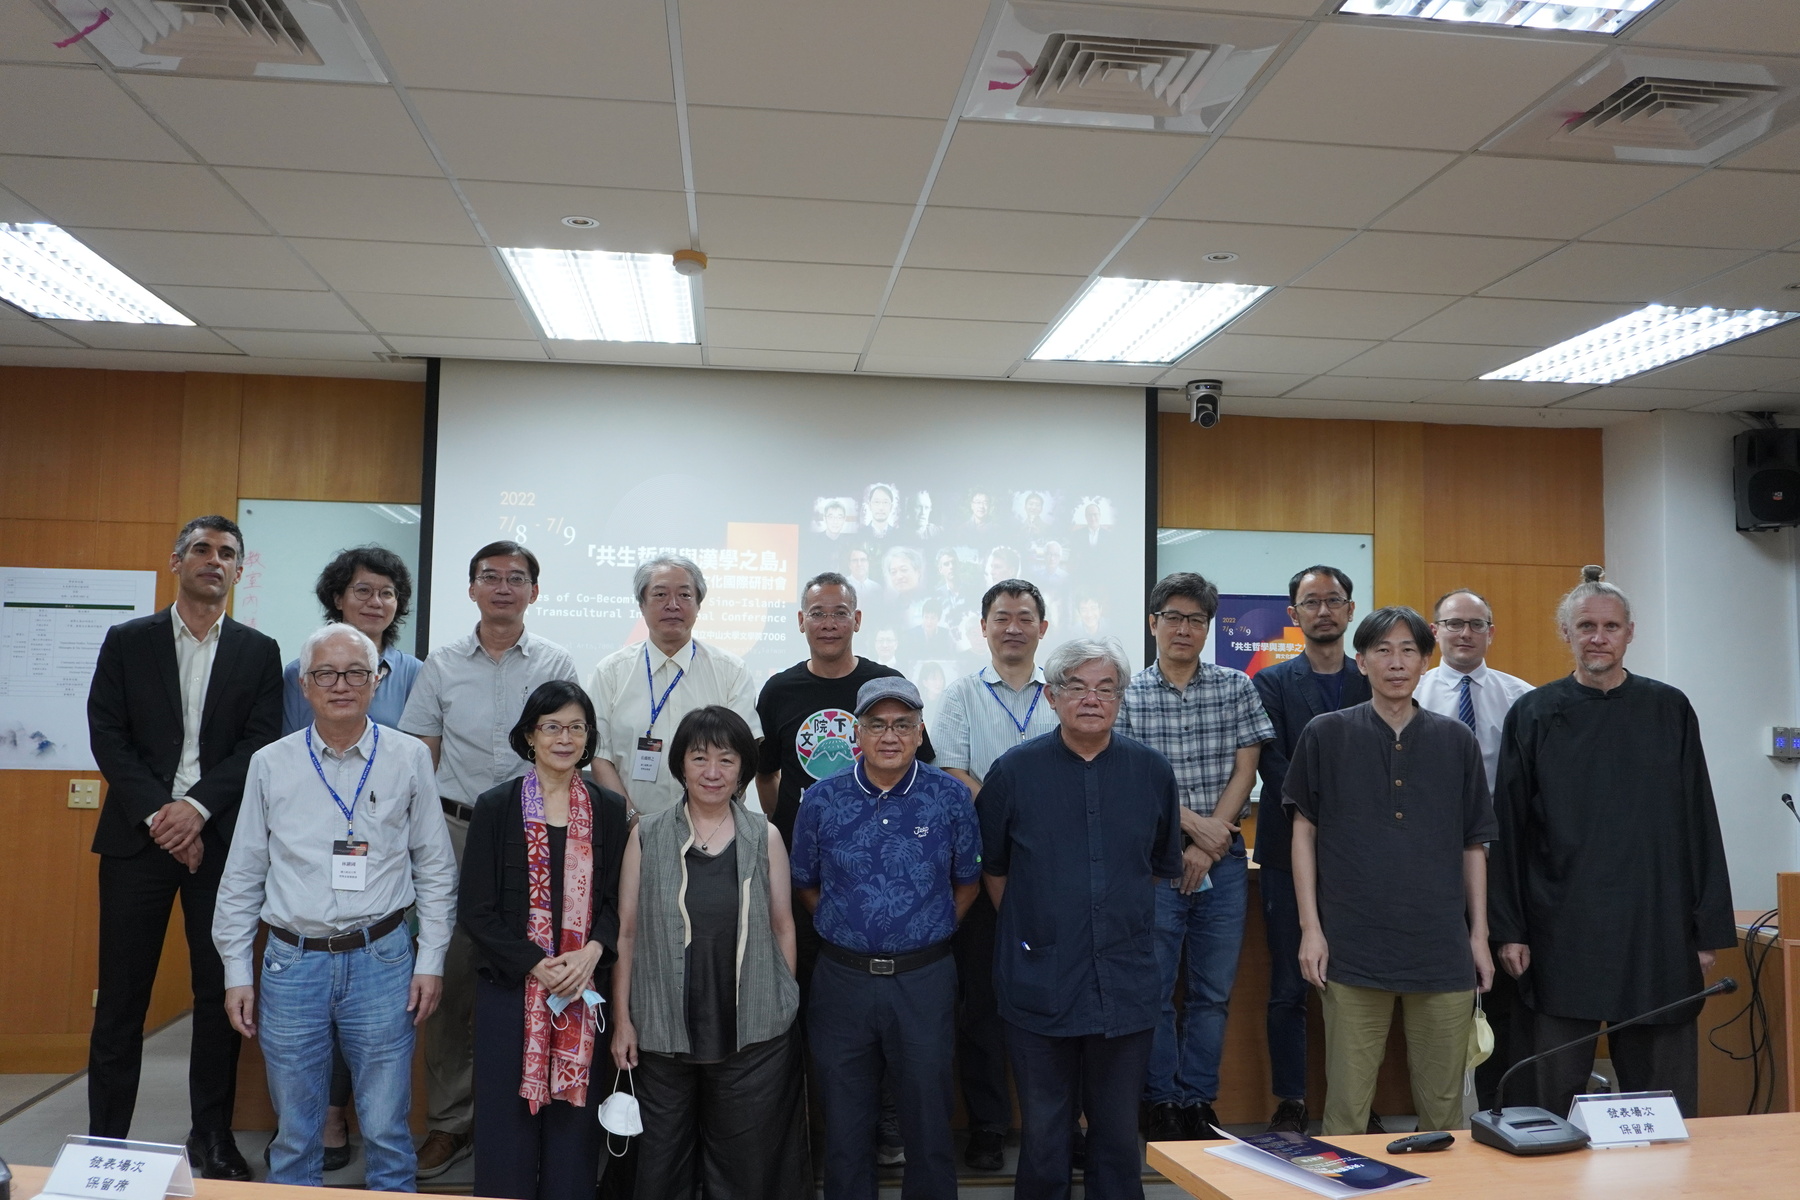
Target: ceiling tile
[
  {"x": 1093, "y": 373},
  {"x": 1778, "y": 153},
  {"x": 548, "y": 139},
  {"x": 551, "y": 48},
  {"x": 1518, "y": 197},
  {"x": 347, "y": 347},
  {"x": 1763, "y": 282},
  {"x": 1317, "y": 312},
  {"x": 1272, "y": 8},
  {"x": 530, "y": 214},
  {"x": 656, "y": 354},
  {"x": 1755, "y": 210},
  {"x": 405, "y": 268},
  {"x": 1294, "y": 183},
  {"x": 1292, "y": 355},
  {"x": 278, "y": 123},
  {"x": 1345, "y": 387},
  {"x": 29, "y": 35},
  {"x": 850, "y": 54},
  {"x": 1720, "y": 372},
  {"x": 1751, "y": 402},
  {"x": 993, "y": 366},
  {"x": 1504, "y": 393},
  {"x": 983, "y": 340},
  {"x": 1612, "y": 273},
  {"x": 94, "y": 118},
  {"x": 1045, "y": 168},
  {"x": 1422, "y": 262},
  {"x": 1641, "y": 399},
  {"x": 980, "y": 296},
  {"x": 821, "y": 156},
  {"x": 121, "y": 335},
  {"x": 746, "y": 329},
  {"x": 1257, "y": 384},
  {"x": 32, "y": 333},
  {"x": 258, "y": 308},
  {"x": 977, "y": 239},
  {"x": 449, "y": 347},
  {"x": 441, "y": 316},
  {"x": 13, "y": 209},
  {"x": 1783, "y": 341},
  {"x": 779, "y": 360},
  {"x": 128, "y": 195},
  {"x": 1492, "y": 322},
  {"x": 201, "y": 259},
  {"x": 1266, "y": 254},
  {"x": 818, "y": 231},
  {"x": 1432, "y": 360},
  {"x": 393, "y": 208},
  {"x": 794, "y": 287},
  {"x": 1372, "y": 86},
  {"x": 1722, "y": 25}
]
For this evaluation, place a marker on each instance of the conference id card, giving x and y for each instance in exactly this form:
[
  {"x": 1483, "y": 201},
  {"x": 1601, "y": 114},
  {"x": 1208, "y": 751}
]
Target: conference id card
[
  {"x": 647, "y": 760},
  {"x": 1619, "y": 1119},
  {"x": 349, "y": 866}
]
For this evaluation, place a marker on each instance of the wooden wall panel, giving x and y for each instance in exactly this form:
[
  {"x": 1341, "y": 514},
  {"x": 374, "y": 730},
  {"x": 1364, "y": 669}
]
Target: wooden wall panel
[
  {"x": 1504, "y": 495},
  {"x": 211, "y": 424},
  {"x": 1266, "y": 473},
  {"x": 1524, "y": 599},
  {"x": 56, "y": 468},
  {"x": 332, "y": 439},
  {"x": 1399, "y": 467}
]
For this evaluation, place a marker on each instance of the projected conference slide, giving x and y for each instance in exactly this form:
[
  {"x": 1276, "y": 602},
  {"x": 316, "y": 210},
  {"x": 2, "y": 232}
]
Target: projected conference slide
[{"x": 923, "y": 493}]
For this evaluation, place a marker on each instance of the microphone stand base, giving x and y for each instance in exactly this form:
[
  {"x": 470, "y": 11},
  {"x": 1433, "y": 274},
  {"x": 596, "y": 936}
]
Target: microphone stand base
[{"x": 1524, "y": 1130}]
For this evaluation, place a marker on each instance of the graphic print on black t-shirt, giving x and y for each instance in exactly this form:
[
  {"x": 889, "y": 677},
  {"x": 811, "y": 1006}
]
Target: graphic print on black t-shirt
[{"x": 825, "y": 743}]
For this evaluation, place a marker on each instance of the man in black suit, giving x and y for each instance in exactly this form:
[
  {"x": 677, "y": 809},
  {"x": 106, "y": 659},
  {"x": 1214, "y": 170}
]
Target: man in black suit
[{"x": 180, "y": 701}]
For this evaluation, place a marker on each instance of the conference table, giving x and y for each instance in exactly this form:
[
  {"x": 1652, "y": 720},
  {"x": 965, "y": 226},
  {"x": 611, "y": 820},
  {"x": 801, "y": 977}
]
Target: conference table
[{"x": 1752, "y": 1158}]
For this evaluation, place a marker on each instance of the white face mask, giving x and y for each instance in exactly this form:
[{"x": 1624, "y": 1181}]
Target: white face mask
[{"x": 619, "y": 1114}]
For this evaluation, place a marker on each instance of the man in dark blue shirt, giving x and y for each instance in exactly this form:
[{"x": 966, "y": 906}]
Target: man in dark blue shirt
[
  {"x": 1077, "y": 826},
  {"x": 887, "y": 857}
]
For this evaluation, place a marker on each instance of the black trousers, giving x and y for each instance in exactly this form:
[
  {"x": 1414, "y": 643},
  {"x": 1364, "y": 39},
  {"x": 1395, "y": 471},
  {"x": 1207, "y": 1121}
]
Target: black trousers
[
  {"x": 980, "y": 1033},
  {"x": 1059, "y": 1077},
  {"x": 136, "y": 895},
  {"x": 553, "y": 1154},
  {"x": 736, "y": 1129},
  {"x": 1648, "y": 1058},
  {"x": 1511, "y": 1022}
]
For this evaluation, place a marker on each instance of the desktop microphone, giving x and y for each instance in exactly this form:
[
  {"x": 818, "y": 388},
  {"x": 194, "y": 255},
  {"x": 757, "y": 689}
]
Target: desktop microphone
[
  {"x": 1789, "y": 801},
  {"x": 1526, "y": 1129}
]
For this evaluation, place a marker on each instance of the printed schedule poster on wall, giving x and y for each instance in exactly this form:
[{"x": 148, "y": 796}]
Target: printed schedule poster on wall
[
  {"x": 921, "y": 492},
  {"x": 51, "y": 625}
]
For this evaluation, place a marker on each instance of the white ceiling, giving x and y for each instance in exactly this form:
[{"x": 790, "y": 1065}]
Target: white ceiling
[{"x": 855, "y": 224}]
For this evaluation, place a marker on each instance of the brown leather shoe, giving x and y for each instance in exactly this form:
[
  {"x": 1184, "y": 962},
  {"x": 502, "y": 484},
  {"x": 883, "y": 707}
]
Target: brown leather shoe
[{"x": 442, "y": 1151}]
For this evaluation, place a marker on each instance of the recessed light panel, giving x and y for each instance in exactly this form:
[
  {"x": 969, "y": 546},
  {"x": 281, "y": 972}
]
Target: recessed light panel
[
  {"x": 1143, "y": 320},
  {"x": 1607, "y": 16},
  {"x": 598, "y": 296},
  {"x": 1641, "y": 341},
  {"x": 51, "y": 275}
]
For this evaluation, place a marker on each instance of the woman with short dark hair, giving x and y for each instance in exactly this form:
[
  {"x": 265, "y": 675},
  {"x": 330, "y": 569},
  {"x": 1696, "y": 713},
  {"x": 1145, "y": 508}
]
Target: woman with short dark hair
[
  {"x": 704, "y": 988},
  {"x": 539, "y": 899}
]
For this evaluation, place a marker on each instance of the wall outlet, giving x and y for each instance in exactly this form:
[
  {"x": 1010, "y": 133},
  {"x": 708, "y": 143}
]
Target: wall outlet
[{"x": 84, "y": 793}]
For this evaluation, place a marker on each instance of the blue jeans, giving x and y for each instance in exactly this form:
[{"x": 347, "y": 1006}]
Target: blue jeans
[
  {"x": 1287, "y": 987},
  {"x": 307, "y": 996},
  {"x": 1184, "y": 1054}
]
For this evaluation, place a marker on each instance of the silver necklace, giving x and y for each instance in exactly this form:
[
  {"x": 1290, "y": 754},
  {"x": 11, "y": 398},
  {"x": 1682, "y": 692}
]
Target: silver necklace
[{"x": 706, "y": 842}]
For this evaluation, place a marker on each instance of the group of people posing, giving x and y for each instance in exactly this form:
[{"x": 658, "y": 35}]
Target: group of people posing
[{"x": 572, "y": 892}]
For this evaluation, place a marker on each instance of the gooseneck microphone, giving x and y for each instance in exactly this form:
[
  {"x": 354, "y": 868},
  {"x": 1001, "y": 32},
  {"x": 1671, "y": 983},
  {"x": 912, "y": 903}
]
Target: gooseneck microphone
[{"x": 1530, "y": 1130}]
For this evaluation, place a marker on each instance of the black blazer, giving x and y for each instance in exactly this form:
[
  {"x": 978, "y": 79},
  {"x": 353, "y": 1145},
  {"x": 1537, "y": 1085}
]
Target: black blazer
[
  {"x": 1291, "y": 699},
  {"x": 492, "y": 903},
  {"x": 135, "y": 726}
]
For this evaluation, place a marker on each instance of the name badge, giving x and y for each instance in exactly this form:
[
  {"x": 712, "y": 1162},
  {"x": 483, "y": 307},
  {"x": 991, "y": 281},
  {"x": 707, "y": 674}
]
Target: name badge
[
  {"x": 349, "y": 866},
  {"x": 1628, "y": 1118},
  {"x": 647, "y": 760}
]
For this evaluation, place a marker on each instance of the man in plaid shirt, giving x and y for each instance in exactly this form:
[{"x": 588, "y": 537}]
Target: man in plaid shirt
[{"x": 1209, "y": 723}]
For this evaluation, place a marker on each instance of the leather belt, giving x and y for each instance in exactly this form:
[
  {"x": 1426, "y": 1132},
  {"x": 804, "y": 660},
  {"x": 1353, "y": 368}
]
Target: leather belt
[
  {"x": 891, "y": 964},
  {"x": 356, "y": 939},
  {"x": 462, "y": 812}
]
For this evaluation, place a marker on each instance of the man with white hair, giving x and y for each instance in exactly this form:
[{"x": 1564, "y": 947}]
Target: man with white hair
[
  {"x": 340, "y": 832},
  {"x": 1077, "y": 827},
  {"x": 1609, "y": 891}
]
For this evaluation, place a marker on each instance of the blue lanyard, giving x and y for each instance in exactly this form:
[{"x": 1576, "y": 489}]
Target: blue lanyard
[
  {"x": 1022, "y": 726},
  {"x": 350, "y": 812},
  {"x": 657, "y": 706}
]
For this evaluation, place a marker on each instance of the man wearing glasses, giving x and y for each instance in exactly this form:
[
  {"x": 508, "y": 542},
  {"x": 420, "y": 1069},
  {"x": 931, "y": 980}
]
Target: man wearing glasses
[
  {"x": 1209, "y": 723},
  {"x": 466, "y": 701},
  {"x": 1078, "y": 829},
  {"x": 1322, "y": 679},
  {"x": 887, "y": 858}
]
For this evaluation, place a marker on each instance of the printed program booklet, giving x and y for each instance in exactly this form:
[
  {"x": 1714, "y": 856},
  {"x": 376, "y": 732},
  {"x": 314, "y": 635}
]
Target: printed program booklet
[{"x": 1314, "y": 1165}]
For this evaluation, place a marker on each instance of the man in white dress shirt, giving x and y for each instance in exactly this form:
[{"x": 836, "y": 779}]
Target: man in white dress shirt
[
  {"x": 340, "y": 832},
  {"x": 1463, "y": 686},
  {"x": 641, "y": 693}
]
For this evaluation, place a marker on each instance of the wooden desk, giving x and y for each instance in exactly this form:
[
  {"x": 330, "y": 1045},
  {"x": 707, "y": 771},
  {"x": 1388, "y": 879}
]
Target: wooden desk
[
  {"x": 1746, "y": 1157},
  {"x": 29, "y": 1181}
]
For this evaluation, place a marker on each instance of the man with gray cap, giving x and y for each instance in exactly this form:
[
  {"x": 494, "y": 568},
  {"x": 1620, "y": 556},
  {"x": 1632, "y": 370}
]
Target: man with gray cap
[{"x": 887, "y": 857}]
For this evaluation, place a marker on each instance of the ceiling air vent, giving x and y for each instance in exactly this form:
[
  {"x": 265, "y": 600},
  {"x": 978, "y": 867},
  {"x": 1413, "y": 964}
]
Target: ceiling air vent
[
  {"x": 1121, "y": 75},
  {"x": 285, "y": 39},
  {"x": 1682, "y": 114}
]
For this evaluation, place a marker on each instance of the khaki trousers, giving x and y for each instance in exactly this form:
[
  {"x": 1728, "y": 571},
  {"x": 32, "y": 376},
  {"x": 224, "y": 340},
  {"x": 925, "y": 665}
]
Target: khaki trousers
[
  {"x": 450, "y": 1031},
  {"x": 1437, "y": 1047}
]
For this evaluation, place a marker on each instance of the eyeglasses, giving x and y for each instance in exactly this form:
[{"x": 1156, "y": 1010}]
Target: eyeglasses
[
  {"x": 557, "y": 729},
  {"x": 490, "y": 579},
  {"x": 1106, "y": 693},
  {"x": 1334, "y": 603},
  {"x": 1181, "y": 620},
  {"x": 819, "y": 616},
  {"x": 356, "y": 677},
  {"x": 881, "y": 729},
  {"x": 365, "y": 592},
  {"x": 1473, "y": 625}
]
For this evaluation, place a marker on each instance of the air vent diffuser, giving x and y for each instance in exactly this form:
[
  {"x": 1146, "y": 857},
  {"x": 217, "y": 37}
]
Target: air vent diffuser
[
  {"x": 289, "y": 39},
  {"x": 1122, "y": 75},
  {"x": 1681, "y": 113}
]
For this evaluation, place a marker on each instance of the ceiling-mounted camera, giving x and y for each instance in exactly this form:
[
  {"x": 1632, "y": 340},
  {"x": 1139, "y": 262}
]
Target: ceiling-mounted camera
[{"x": 1203, "y": 396}]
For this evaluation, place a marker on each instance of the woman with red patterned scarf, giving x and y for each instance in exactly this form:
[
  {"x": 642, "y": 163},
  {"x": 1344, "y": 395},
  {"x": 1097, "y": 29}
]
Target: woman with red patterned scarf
[{"x": 539, "y": 898}]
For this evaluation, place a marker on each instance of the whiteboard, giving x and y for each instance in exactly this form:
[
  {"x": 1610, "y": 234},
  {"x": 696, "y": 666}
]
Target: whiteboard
[
  {"x": 288, "y": 542},
  {"x": 1259, "y": 563}
]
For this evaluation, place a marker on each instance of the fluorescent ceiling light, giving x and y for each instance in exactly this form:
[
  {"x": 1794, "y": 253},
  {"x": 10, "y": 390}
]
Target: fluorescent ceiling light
[
  {"x": 1650, "y": 337},
  {"x": 598, "y": 296},
  {"x": 51, "y": 275},
  {"x": 1143, "y": 320},
  {"x": 1594, "y": 16}
]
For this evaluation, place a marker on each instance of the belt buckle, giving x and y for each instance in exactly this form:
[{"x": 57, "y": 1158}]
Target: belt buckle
[
  {"x": 351, "y": 941},
  {"x": 881, "y": 966}
]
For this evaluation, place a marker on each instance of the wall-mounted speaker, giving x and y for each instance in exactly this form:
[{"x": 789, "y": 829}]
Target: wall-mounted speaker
[{"x": 1765, "y": 472}]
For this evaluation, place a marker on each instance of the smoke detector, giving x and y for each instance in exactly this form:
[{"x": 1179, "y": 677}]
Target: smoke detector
[{"x": 270, "y": 39}]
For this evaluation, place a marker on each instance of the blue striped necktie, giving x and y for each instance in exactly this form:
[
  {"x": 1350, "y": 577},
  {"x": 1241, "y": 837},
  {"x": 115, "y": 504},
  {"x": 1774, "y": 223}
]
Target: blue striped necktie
[{"x": 1465, "y": 705}]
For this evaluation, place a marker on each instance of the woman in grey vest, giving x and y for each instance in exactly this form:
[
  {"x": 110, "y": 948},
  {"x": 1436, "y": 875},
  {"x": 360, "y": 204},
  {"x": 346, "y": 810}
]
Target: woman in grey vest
[{"x": 704, "y": 987}]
